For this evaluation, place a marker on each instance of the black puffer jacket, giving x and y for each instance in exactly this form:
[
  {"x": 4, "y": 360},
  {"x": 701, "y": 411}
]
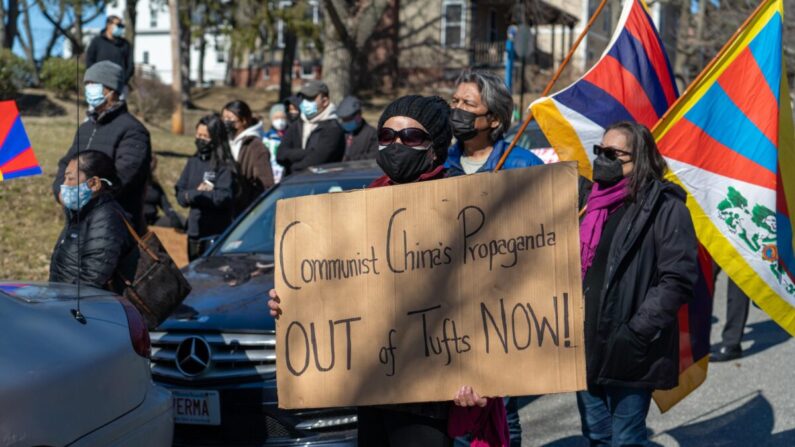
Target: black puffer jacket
[
  {"x": 650, "y": 272},
  {"x": 118, "y": 134},
  {"x": 100, "y": 241}
]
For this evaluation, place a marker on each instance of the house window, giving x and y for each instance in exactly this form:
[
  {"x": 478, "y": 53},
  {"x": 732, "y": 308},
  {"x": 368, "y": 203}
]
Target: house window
[
  {"x": 607, "y": 23},
  {"x": 453, "y": 29},
  {"x": 153, "y": 18},
  {"x": 146, "y": 58},
  {"x": 308, "y": 70},
  {"x": 312, "y": 13}
]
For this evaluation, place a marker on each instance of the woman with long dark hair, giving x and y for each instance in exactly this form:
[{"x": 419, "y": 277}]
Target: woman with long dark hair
[
  {"x": 638, "y": 251},
  {"x": 95, "y": 240},
  {"x": 207, "y": 184},
  {"x": 255, "y": 174}
]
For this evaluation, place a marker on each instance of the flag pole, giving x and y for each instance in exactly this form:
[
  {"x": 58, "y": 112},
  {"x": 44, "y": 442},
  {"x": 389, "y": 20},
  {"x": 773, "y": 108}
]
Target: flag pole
[
  {"x": 711, "y": 63},
  {"x": 551, "y": 83}
]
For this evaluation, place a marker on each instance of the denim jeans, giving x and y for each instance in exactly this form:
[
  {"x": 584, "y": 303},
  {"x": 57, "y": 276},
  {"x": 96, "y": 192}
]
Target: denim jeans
[{"x": 614, "y": 416}]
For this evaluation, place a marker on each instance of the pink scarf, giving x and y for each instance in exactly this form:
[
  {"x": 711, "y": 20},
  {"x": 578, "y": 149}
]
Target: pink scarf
[
  {"x": 488, "y": 425},
  {"x": 602, "y": 202}
]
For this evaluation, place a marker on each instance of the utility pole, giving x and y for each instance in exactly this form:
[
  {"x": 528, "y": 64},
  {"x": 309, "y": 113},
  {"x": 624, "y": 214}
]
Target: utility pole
[{"x": 177, "y": 121}]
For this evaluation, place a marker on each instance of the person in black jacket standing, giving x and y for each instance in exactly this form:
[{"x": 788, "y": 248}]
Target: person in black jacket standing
[
  {"x": 111, "y": 129},
  {"x": 112, "y": 46},
  {"x": 95, "y": 242},
  {"x": 207, "y": 184},
  {"x": 318, "y": 137},
  {"x": 638, "y": 249},
  {"x": 361, "y": 139}
]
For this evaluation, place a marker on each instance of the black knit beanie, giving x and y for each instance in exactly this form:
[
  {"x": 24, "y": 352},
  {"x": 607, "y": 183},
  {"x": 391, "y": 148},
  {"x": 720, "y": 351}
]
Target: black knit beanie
[{"x": 432, "y": 112}]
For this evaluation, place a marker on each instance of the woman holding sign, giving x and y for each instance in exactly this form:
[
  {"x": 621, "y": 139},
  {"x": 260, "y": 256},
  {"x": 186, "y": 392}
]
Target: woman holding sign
[
  {"x": 413, "y": 138},
  {"x": 638, "y": 252}
]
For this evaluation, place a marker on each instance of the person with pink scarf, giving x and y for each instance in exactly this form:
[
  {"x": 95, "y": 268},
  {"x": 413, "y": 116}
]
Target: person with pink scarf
[{"x": 638, "y": 251}]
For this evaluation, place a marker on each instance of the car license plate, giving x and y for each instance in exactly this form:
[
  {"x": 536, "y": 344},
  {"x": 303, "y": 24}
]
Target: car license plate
[{"x": 196, "y": 407}]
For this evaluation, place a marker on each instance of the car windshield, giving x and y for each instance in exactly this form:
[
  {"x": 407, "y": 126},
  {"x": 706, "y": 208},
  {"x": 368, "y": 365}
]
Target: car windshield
[{"x": 255, "y": 232}]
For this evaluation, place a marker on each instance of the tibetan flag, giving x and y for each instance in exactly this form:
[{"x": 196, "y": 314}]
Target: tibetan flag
[
  {"x": 632, "y": 81},
  {"x": 16, "y": 156},
  {"x": 729, "y": 142}
]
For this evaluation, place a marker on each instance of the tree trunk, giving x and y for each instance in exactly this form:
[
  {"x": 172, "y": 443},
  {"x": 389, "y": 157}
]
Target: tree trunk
[
  {"x": 288, "y": 58},
  {"x": 177, "y": 122},
  {"x": 337, "y": 59},
  {"x": 78, "y": 33},
  {"x": 12, "y": 14},
  {"x": 185, "y": 43},
  {"x": 29, "y": 47},
  {"x": 202, "y": 54},
  {"x": 130, "y": 18},
  {"x": 2, "y": 24}
]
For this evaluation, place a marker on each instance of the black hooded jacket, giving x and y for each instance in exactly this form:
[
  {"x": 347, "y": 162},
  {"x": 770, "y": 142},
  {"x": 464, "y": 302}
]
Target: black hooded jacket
[
  {"x": 123, "y": 138},
  {"x": 117, "y": 51},
  {"x": 632, "y": 338},
  {"x": 96, "y": 243}
]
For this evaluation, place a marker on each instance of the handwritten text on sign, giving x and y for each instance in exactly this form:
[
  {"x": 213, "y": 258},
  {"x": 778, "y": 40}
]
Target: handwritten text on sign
[{"x": 405, "y": 293}]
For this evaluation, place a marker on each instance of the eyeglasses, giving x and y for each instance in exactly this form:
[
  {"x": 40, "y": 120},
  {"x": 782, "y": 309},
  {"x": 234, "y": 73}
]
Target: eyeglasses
[
  {"x": 410, "y": 136},
  {"x": 611, "y": 153}
]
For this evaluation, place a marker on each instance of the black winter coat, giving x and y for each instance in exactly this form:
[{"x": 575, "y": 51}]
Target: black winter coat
[
  {"x": 651, "y": 270},
  {"x": 117, "y": 51},
  {"x": 118, "y": 134},
  {"x": 105, "y": 245},
  {"x": 364, "y": 145},
  {"x": 326, "y": 144},
  {"x": 210, "y": 211}
]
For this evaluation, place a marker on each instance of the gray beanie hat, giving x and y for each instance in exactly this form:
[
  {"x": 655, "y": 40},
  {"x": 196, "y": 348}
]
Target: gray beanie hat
[{"x": 106, "y": 73}]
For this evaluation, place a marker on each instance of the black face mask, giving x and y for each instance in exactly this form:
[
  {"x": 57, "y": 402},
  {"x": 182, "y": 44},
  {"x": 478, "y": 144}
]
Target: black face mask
[
  {"x": 230, "y": 128},
  {"x": 204, "y": 148},
  {"x": 463, "y": 124},
  {"x": 607, "y": 171},
  {"x": 293, "y": 116},
  {"x": 404, "y": 164}
]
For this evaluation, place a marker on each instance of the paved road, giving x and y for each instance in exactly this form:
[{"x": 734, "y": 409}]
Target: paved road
[{"x": 749, "y": 402}]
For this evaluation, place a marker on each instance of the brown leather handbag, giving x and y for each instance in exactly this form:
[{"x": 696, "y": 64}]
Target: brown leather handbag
[{"x": 159, "y": 286}]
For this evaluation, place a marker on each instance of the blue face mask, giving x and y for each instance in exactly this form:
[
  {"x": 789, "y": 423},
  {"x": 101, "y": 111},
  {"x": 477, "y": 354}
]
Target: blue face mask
[
  {"x": 350, "y": 126},
  {"x": 309, "y": 109},
  {"x": 118, "y": 31},
  {"x": 74, "y": 197},
  {"x": 95, "y": 95}
]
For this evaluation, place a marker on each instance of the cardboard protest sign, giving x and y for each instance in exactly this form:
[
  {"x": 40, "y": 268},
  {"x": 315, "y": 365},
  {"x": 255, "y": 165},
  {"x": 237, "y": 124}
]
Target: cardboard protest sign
[
  {"x": 405, "y": 293},
  {"x": 175, "y": 242}
]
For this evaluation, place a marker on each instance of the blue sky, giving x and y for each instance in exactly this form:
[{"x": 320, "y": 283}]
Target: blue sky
[{"x": 42, "y": 30}]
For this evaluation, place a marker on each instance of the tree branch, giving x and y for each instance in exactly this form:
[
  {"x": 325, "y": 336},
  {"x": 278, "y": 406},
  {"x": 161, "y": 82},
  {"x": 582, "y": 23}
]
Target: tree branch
[{"x": 333, "y": 8}]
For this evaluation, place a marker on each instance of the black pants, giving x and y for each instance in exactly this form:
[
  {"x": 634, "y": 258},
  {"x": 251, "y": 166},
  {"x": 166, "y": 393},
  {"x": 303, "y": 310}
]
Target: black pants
[
  {"x": 382, "y": 427},
  {"x": 196, "y": 247},
  {"x": 737, "y": 304}
]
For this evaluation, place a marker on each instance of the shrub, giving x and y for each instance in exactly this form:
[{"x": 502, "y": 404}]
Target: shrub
[
  {"x": 151, "y": 99},
  {"x": 62, "y": 76},
  {"x": 15, "y": 74}
]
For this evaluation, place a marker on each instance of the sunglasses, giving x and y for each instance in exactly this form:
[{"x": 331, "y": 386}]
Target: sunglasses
[
  {"x": 410, "y": 136},
  {"x": 611, "y": 153}
]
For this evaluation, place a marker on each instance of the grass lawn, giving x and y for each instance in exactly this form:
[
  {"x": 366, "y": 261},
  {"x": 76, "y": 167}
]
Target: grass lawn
[{"x": 31, "y": 219}]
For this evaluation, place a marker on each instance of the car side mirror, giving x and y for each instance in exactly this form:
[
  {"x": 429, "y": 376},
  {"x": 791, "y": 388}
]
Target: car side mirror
[{"x": 205, "y": 243}]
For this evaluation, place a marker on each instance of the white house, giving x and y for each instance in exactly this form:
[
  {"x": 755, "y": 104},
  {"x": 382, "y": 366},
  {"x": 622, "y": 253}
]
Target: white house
[{"x": 153, "y": 43}]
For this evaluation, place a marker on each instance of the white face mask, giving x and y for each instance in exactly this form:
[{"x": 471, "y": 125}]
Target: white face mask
[{"x": 279, "y": 124}]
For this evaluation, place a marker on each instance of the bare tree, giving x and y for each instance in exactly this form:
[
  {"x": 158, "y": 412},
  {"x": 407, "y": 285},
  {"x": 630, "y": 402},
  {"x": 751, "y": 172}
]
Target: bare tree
[
  {"x": 349, "y": 25},
  {"x": 69, "y": 17}
]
